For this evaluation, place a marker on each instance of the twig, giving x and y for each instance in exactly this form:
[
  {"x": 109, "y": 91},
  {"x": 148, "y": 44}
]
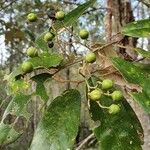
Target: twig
[
  {"x": 7, "y": 5},
  {"x": 107, "y": 45},
  {"x": 63, "y": 80},
  {"x": 85, "y": 141}
]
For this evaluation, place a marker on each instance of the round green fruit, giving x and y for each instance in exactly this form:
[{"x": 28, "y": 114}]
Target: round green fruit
[
  {"x": 95, "y": 95},
  {"x": 32, "y": 52},
  {"x": 60, "y": 15},
  {"x": 90, "y": 57},
  {"x": 48, "y": 37},
  {"x": 32, "y": 17},
  {"x": 114, "y": 109},
  {"x": 117, "y": 95},
  {"x": 84, "y": 34},
  {"x": 27, "y": 67},
  {"x": 107, "y": 84}
]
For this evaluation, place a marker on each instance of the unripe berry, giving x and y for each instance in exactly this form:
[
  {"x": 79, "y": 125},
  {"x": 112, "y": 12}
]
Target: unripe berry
[
  {"x": 117, "y": 95},
  {"x": 95, "y": 95},
  {"x": 90, "y": 57},
  {"x": 32, "y": 17},
  {"x": 107, "y": 84},
  {"x": 84, "y": 34},
  {"x": 114, "y": 109},
  {"x": 27, "y": 67},
  {"x": 32, "y": 52},
  {"x": 60, "y": 15},
  {"x": 48, "y": 37}
]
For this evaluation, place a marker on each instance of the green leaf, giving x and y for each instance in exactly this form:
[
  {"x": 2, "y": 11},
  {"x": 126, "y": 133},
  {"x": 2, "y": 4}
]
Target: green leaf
[
  {"x": 18, "y": 108},
  {"x": 46, "y": 60},
  {"x": 131, "y": 72},
  {"x": 137, "y": 74},
  {"x": 144, "y": 53},
  {"x": 69, "y": 20},
  {"x": 143, "y": 100},
  {"x": 59, "y": 125},
  {"x": 18, "y": 86},
  {"x": 41, "y": 44},
  {"x": 144, "y": 67},
  {"x": 139, "y": 28},
  {"x": 72, "y": 16},
  {"x": 8, "y": 134},
  {"x": 40, "y": 88},
  {"x": 122, "y": 131}
]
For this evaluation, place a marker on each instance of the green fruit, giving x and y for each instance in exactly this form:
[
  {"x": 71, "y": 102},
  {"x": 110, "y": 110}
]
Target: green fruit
[
  {"x": 90, "y": 57},
  {"x": 60, "y": 15},
  {"x": 117, "y": 95},
  {"x": 48, "y": 37},
  {"x": 27, "y": 67},
  {"x": 107, "y": 84},
  {"x": 32, "y": 52},
  {"x": 32, "y": 17},
  {"x": 84, "y": 34},
  {"x": 95, "y": 95},
  {"x": 114, "y": 109}
]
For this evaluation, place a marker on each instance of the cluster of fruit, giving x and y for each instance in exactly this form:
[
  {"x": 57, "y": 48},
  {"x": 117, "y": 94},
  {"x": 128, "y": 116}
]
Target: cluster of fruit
[
  {"x": 27, "y": 66},
  {"x": 116, "y": 95},
  {"x": 95, "y": 94},
  {"x": 106, "y": 85}
]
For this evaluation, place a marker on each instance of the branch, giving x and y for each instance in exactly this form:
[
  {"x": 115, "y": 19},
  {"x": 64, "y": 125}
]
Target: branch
[
  {"x": 7, "y": 5},
  {"x": 85, "y": 141}
]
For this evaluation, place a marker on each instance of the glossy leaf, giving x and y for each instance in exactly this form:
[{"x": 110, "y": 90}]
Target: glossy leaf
[
  {"x": 144, "y": 53},
  {"x": 116, "y": 132},
  {"x": 137, "y": 74},
  {"x": 139, "y": 28},
  {"x": 69, "y": 20},
  {"x": 59, "y": 125},
  {"x": 143, "y": 99},
  {"x": 144, "y": 67},
  {"x": 72, "y": 16},
  {"x": 131, "y": 72},
  {"x": 18, "y": 108}
]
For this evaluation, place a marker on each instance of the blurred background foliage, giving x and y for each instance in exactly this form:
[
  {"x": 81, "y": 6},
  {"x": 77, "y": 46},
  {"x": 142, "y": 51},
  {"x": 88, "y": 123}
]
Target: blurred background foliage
[{"x": 16, "y": 35}]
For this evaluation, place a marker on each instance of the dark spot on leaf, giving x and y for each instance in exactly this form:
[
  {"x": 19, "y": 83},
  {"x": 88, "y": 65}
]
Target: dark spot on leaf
[{"x": 10, "y": 118}]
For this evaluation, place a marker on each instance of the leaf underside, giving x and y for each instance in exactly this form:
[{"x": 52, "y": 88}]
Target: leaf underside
[{"x": 59, "y": 125}]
